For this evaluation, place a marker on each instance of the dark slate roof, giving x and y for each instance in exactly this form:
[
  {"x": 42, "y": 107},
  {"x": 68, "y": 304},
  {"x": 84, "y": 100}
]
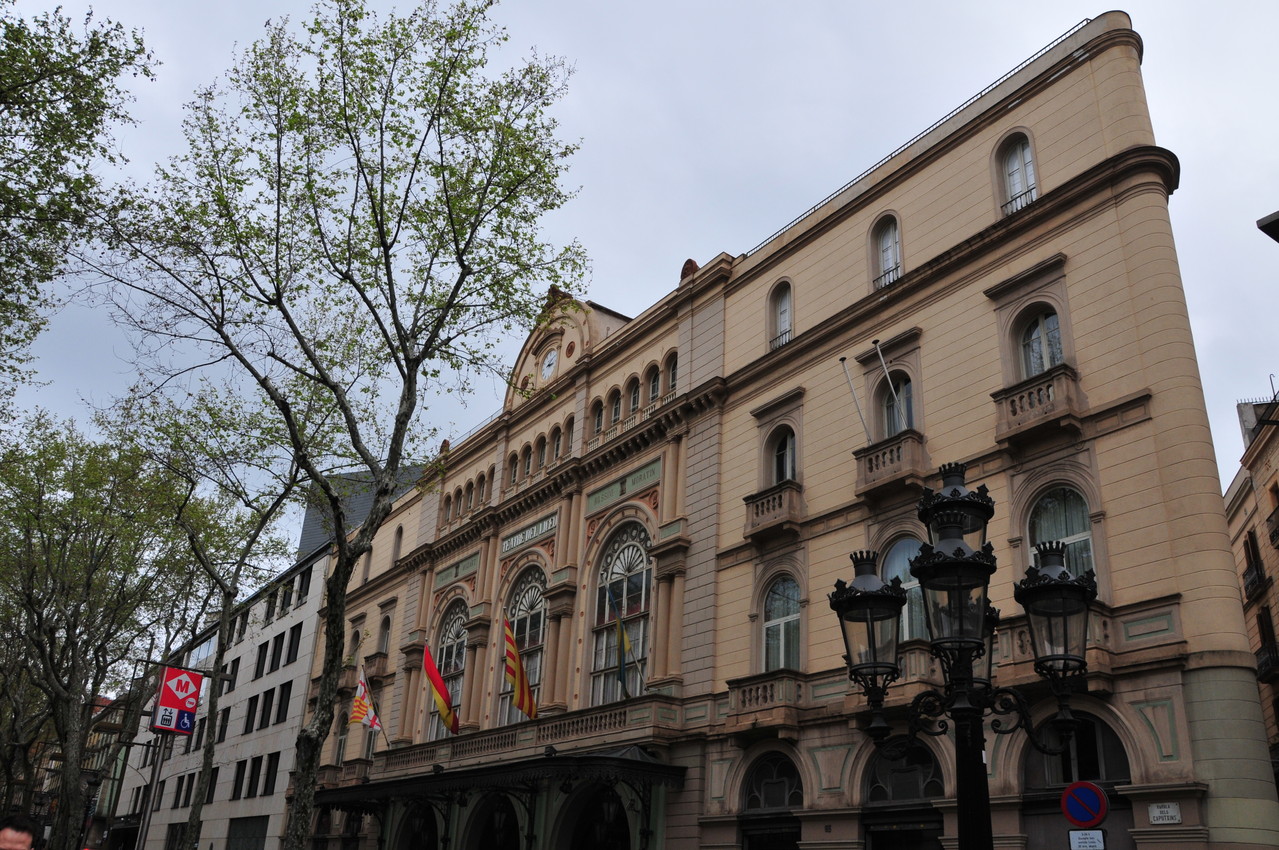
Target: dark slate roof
[{"x": 316, "y": 532}]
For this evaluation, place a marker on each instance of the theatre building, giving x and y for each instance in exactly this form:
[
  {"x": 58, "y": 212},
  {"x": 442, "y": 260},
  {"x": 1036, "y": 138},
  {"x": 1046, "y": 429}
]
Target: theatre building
[{"x": 1002, "y": 291}]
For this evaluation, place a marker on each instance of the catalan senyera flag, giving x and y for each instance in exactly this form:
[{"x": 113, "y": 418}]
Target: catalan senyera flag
[
  {"x": 443, "y": 702},
  {"x": 362, "y": 708},
  {"x": 623, "y": 642},
  {"x": 521, "y": 691}
]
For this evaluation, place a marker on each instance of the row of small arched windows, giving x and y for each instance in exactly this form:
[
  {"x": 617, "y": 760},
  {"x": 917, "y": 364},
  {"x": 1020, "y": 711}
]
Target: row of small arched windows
[{"x": 623, "y": 402}]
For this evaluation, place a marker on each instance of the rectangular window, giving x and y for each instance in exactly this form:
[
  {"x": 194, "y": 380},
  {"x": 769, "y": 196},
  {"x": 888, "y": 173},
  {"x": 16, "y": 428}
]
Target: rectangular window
[
  {"x": 295, "y": 644},
  {"x": 277, "y": 651},
  {"x": 272, "y": 769},
  {"x": 282, "y": 712},
  {"x": 186, "y": 795},
  {"x": 270, "y": 607},
  {"x": 252, "y": 715},
  {"x": 286, "y": 596},
  {"x": 243, "y": 627},
  {"x": 237, "y": 784},
  {"x": 213, "y": 784},
  {"x": 224, "y": 720},
  {"x": 199, "y": 733},
  {"x": 259, "y": 667},
  {"x": 173, "y": 836},
  {"x": 187, "y": 741},
  {"x": 268, "y": 702},
  {"x": 232, "y": 673},
  {"x": 159, "y": 795},
  {"x": 177, "y": 792},
  {"x": 255, "y": 773},
  {"x": 304, "y": 585}
]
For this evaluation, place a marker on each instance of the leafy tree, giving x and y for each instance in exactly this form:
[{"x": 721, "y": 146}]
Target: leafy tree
[
  {"x": 59, "y": 96},
  {"x": 93, "y": 573},
  {"x": 353, "y": 227}
]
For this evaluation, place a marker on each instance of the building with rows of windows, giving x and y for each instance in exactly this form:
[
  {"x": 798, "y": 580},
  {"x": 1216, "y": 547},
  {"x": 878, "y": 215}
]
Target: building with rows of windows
[
  {"x": 261, "y": 706},
  {"x": 663, "y": 503}
]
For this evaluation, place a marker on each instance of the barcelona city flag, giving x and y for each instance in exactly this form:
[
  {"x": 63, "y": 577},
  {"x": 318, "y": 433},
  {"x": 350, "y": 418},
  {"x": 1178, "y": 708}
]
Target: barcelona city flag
[
  {"x": 443, "y": 702},
  {"x": 521, "y": 691},
  {"x": 362, "y": 708}
]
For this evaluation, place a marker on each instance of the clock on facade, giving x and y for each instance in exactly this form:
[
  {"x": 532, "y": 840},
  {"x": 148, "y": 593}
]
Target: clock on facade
[{"x": 548, "y": 363}]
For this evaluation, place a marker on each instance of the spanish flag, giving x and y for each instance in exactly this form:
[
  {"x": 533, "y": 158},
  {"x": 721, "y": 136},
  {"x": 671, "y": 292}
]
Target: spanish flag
[
  {"x": 521, "y": 691},
  {"x": 443, "y": 702},
  {"x": 362, "y": 708}
]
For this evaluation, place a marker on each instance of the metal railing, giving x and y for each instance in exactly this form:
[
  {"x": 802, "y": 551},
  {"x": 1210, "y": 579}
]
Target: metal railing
[
  {"x": 889, "y": 277},
  {"x": 1019, "y": 201},
  {"x": 779, "y": 340}
]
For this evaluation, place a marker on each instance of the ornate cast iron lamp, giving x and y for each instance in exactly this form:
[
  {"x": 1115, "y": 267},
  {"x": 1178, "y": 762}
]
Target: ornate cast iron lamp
[{"x": 954, "y": 569}]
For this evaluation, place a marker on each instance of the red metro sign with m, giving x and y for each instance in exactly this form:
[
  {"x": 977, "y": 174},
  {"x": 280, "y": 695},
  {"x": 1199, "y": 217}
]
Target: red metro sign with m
[{"x": 177, "y": 701}]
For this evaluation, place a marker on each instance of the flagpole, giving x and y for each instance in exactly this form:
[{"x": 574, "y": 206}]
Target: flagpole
[
  {"x": 897, "y": 403},
  {"x": 844, "y": 365}
]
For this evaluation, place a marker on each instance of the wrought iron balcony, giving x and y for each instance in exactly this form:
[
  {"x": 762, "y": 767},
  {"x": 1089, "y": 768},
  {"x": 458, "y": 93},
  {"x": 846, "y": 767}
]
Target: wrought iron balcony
[
  {"x": 1019, "y": 201},
  {"x": 1254, "y": 581},
  {"x": 897, "y": 462},
  {"x": 889, "y": 277},
  {"x": 1048, "y": 401},
  {"x": 1268, "y": 662},
  {"x": 779, "y": 340},
  {"x": 775, "y": 512},
  {"x": 1272, "y": 527}
]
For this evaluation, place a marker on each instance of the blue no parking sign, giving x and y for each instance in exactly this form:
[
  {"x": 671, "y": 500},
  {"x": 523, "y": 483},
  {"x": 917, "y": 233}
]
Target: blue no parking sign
[{"x": 1084, "y": 804}]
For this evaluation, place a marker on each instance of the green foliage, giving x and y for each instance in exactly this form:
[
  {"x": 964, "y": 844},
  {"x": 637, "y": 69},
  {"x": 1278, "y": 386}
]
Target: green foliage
[{"x": 59, "y": 95}]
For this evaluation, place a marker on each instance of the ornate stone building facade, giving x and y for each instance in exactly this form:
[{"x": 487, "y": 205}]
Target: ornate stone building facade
[{"x": 1002, "y": 291}]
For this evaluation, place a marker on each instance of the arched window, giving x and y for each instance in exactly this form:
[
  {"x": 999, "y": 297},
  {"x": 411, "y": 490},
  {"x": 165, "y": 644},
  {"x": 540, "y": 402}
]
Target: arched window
[
  {"x": 614, "y": 407},
  {"x": 1041, "y": 344},
  {"x": 773, "y": 783},
  {"x": 527, "y": 612},
  {"x": 1094, "y": 753},
  {"x": 1062, "y": 514},
  {"x": 781, "y": 625},
  {"x": 886, "y": 243},
  {"x": 654, "y": 385},
  {"x": 633, "y": 396},
  {"x": 384, "y": 636},
  {"x": 557, "y": 443},
  {"x": 527, "y": 461},
  {"x": 568, "y": 436},
  {"x": 339, "y": 743},
  {"x": 780, "y": 316},
  {"x": 1019, "y": 175},
  {"x": 514, "y": 463},
  {"x": 597, "y": 416},
  {"x": 541, "y": 452},
  {"x": 672, "y": 373},
  {"x": 898, "y": 405},
  {"x": 355, "y": 644},
  {"x": 449, "y": 653},
  {"x": 915, "y": 777},
  {"x": 896, "y": 564},
  {"x": 625, "y": 574},
  {"x": 448, "y": 508},
  {"x": 397, "y": 548},
  {"x": 470, "y": 496},
  {"x": 782, "y": 455}
]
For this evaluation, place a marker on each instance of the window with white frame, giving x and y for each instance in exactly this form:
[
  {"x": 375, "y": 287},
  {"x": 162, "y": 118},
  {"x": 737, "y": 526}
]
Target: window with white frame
[
  {"x": 1062, "y": 514},
  {"x": 625, "y": 577},
  {"x": 897, "y": 403},
  {"x": 886, "y": 242},
  {"x": 597, "y": 415},
  {"x": 339, "y": 745},
  {"x": 449, "y": 653},
  {"x": 527, "y": 612},
  {"x": 654, "y": 385},
  {"x": 633, "y": 396},
  {"x": 780, "y": 316},
  {"x": 1041, "y": 344},
  {"x": 781, "y": 625},
  {"x": 614, "y": 407},
  {"x": 1019, "y": 175},
  {"x": 896, "y": 564},
  {"x": 672, "y": 373},
  {"x": 782, "y": 452}
]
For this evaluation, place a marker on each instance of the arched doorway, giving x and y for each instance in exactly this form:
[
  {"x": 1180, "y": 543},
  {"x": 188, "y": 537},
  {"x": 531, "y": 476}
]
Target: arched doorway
[
  {"x": 1094, "y": 753},
  {"x": 418, "y": 829},
  {"x": 601, "y": 823},
  {"x": 898, "y": 814},
  {"x": 772, "y": 792},
  {"x": 495, "y": 825}
]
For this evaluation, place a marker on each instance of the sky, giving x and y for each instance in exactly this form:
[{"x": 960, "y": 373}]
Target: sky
[{"x": 706, "y": 125}]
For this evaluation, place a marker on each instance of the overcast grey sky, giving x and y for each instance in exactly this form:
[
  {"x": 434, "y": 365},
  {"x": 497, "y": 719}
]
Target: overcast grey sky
[{"x": 707, "y": 125}]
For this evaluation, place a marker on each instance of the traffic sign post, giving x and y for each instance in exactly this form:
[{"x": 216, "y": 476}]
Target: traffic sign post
[
  {"x": 177, "y": 700},
  {"x": 1084, "y": 804}
]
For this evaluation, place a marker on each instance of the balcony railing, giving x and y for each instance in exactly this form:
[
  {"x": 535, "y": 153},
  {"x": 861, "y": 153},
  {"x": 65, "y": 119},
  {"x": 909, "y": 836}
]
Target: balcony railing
[
  {"x": 766, "y": 703},
  {"x": 1254, "y": 581},
  {"x": 1049, "y": 400},
  {"x": 376, "y": 665},
  {"x": 779, "y": 340},
  {"x": 775, "y": 512},
  {"x": 1268, "y": 662},
  {"x": 1019, "y": 201},
  {"x": 1272, "y": 527},
  {"x": 636, "y": 418},
  {"x": 889, "y": 277},
  {"x": 898, "y": 461}
]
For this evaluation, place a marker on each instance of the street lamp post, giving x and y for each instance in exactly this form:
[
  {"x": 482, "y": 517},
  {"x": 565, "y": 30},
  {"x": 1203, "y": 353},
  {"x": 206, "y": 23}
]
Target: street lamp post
[{"x": 954, "y": 569}]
